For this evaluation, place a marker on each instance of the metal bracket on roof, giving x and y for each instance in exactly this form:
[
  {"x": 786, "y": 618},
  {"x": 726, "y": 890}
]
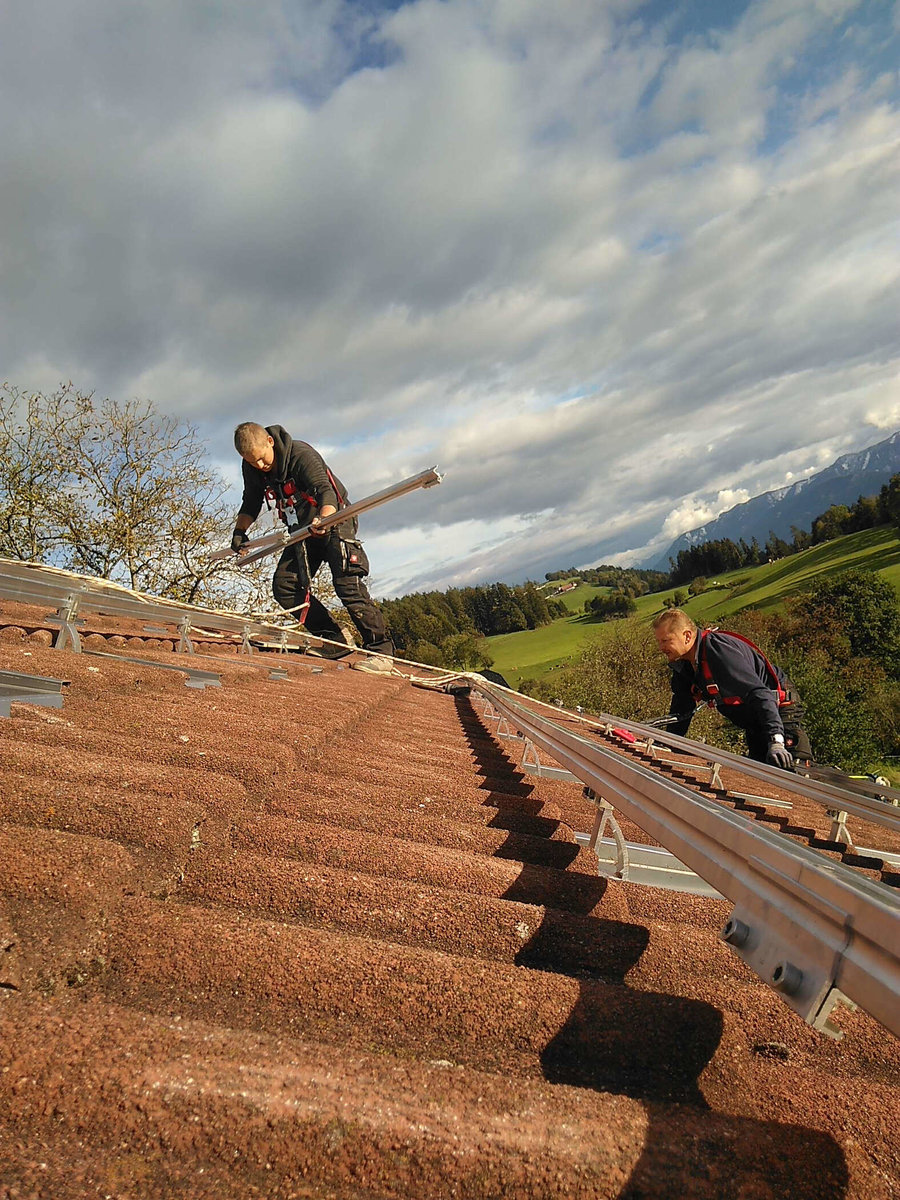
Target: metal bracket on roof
[
  {"x": 195, "y": 678},
  {"x": 505, "y": 730},
  {"x": 68, "y": 620},
  {"x": 246, "y": 647},
  {"x": 17, "y": 688},
  {"x": 606, "y": 817},
  {"x": 651, "y": 865},
  {"x": 839, "y": 831},
  {"x": 185, "y": 645},
  {"x": 766, "y": 801},
  {"x": 711, "y": 770},
  {"x": 657, "y": 752},
  {"x": 532, "y": 764}
]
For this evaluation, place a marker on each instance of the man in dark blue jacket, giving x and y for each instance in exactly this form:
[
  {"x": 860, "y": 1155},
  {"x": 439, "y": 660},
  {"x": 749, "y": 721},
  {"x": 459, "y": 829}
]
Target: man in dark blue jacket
[
  {"x": 729, "y": 671},
  {"x": 295, "y": 478}
]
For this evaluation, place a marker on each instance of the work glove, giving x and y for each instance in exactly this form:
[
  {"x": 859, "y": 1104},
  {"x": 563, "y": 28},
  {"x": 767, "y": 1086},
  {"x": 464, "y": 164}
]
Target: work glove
[
  {"x": 778, "y": 755},
  {"x": 238, "y": 540}
]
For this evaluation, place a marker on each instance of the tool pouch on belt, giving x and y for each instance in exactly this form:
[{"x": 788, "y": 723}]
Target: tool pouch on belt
[{"x": 354, "y": 559}]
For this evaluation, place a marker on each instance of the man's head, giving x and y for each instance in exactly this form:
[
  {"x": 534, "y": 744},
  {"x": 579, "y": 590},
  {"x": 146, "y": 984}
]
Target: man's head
[
  {"x": 675, "y": 634},
  {"x": 254, "y": 445}
]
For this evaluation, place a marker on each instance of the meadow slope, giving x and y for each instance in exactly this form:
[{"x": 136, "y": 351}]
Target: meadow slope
[{"x": 533, "y": 653}]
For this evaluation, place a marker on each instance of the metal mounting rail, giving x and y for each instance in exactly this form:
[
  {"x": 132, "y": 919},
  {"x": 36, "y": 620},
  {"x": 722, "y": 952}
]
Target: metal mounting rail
[
  {"x": 878, "y": 812},
  {"x": 274, "y": 542},
  {"x": 18, "y": 688},
  {"x": 195, "y": 677},
  {"x": 36, "y": 584},
  {"x": 814, "y": 930}
]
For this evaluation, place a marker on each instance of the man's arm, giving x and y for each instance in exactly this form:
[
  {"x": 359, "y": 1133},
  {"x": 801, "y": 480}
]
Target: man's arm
[
  {"x": 251, "y": 503},
  {"x": 310, "y": 472}
]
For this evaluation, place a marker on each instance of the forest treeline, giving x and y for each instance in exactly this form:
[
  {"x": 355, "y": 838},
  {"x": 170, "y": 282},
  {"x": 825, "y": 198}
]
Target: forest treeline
[
  {"x": 638, "y": 578},
  {"x": 446, "y": 627}
]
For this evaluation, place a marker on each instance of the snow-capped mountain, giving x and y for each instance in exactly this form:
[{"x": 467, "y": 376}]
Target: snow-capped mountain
[{"x": 797, "y": 504}]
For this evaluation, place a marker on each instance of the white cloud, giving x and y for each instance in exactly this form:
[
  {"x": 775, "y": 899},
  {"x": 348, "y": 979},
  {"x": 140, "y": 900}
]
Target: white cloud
[
  {"x": 544, "y": 246},
  {"x": 694, "y": 511}
]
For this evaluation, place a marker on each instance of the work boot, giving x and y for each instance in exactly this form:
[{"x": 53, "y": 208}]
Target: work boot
[{"x": 329, "y": 652}]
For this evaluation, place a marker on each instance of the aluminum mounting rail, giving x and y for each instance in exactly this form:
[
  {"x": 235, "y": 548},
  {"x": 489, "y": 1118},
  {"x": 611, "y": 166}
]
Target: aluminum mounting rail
[
  {"x": 879, "y": 812},
  {"x": 19, "y": 688},
  {"x": 814, "y": 930},
  {"x": 274, "y": 542},
  {"x": 35, "y": 584},
  {"x": 195, "y": 677},
  {"x": 650, "y": 865}
]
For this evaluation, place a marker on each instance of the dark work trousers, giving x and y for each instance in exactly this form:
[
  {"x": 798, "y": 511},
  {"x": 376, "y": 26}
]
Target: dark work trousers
[
  {"x": 795, "y": 736},
  {"x": 292, "y": 581}
]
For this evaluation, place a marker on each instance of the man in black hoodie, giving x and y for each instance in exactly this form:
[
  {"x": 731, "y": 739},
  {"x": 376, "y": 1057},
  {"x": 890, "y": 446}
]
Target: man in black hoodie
[{"x": 294, "y": 477}]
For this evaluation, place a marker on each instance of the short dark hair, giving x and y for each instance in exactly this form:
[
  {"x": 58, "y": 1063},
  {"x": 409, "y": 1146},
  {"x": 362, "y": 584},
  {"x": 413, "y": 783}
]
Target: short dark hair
[{"x": 248, "y": 436}]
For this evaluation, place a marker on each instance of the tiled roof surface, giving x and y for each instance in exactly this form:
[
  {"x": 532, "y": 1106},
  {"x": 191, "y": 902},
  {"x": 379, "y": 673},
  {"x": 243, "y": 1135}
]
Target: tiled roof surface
[{"x": 321, "y": 938}]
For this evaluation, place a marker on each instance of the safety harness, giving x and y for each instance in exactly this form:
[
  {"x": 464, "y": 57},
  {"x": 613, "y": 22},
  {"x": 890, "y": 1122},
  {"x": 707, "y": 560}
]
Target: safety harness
[
  {"x": 286, "y": 496},
  {"x": 708, "y": 690}
]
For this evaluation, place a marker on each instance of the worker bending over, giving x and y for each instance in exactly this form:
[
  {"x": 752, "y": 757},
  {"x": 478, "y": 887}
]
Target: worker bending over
[{"x": 728, "y": 671}]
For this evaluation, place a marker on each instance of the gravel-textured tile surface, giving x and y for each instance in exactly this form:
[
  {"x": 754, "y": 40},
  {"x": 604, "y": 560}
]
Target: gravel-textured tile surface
[{"x": 323, "y": 937}]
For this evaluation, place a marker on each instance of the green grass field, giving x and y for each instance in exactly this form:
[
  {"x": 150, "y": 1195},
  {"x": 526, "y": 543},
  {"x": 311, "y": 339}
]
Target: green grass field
[{"x": 535, "y": 652}]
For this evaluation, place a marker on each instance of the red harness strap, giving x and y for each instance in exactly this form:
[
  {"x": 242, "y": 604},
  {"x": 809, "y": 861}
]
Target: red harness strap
[
  {"x": 710, "y": 689},
  {"x": 286, "y": 495}
]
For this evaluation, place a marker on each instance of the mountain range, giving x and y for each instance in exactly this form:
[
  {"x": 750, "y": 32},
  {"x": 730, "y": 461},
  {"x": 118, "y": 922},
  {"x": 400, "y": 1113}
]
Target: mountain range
[{"x": 797, "y": 504}]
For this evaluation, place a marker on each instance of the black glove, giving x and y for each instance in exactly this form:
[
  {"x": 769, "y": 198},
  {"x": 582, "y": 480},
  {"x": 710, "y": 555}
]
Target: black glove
[
  {"x": 778, "y": 755},
  {"x": 238, "y": 540}
]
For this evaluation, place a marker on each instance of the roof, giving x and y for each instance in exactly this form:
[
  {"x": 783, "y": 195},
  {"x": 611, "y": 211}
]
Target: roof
[{"x": 321, "y": 937}]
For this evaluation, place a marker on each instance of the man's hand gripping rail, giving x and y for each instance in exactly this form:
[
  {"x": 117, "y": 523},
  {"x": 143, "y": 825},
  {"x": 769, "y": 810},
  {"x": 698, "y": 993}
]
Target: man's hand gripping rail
[{"x": 273, "y": 543}]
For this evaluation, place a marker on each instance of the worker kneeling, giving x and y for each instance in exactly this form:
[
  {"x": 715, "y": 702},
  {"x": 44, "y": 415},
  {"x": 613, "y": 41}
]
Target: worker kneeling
[{"x": 728, "y": 671}]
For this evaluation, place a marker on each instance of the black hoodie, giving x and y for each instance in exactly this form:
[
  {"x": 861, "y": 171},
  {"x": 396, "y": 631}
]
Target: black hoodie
[{"x": 303, "y": 466}]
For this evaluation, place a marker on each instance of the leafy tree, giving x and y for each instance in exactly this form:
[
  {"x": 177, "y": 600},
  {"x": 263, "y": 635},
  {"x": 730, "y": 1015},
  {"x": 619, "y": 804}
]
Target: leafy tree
[
  {"x": 863, "y": 606},
  {"x": 802, "y": 540},
  {"x": 698, "y": 586},
  {"x": 465, "y": 650},
  {"x": 889, "y": 502},
  {"x": 834, "y": 522},
  {"x": 426, "y": 652},
  {"x": 777, "y": 547},
  {"x": 32, "y": 472},
  {"x": 114, "y": 490},
  {"x": 607, "y": 608}
]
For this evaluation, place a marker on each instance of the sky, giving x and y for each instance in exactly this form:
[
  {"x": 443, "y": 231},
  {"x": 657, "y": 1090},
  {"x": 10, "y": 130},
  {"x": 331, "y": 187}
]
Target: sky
[{"x": 612, "y": 266}]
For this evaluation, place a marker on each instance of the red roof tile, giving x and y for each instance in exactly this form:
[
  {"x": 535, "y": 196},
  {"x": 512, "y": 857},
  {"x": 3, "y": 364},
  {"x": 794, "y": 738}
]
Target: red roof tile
[{"x": 322, "y": 938}]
